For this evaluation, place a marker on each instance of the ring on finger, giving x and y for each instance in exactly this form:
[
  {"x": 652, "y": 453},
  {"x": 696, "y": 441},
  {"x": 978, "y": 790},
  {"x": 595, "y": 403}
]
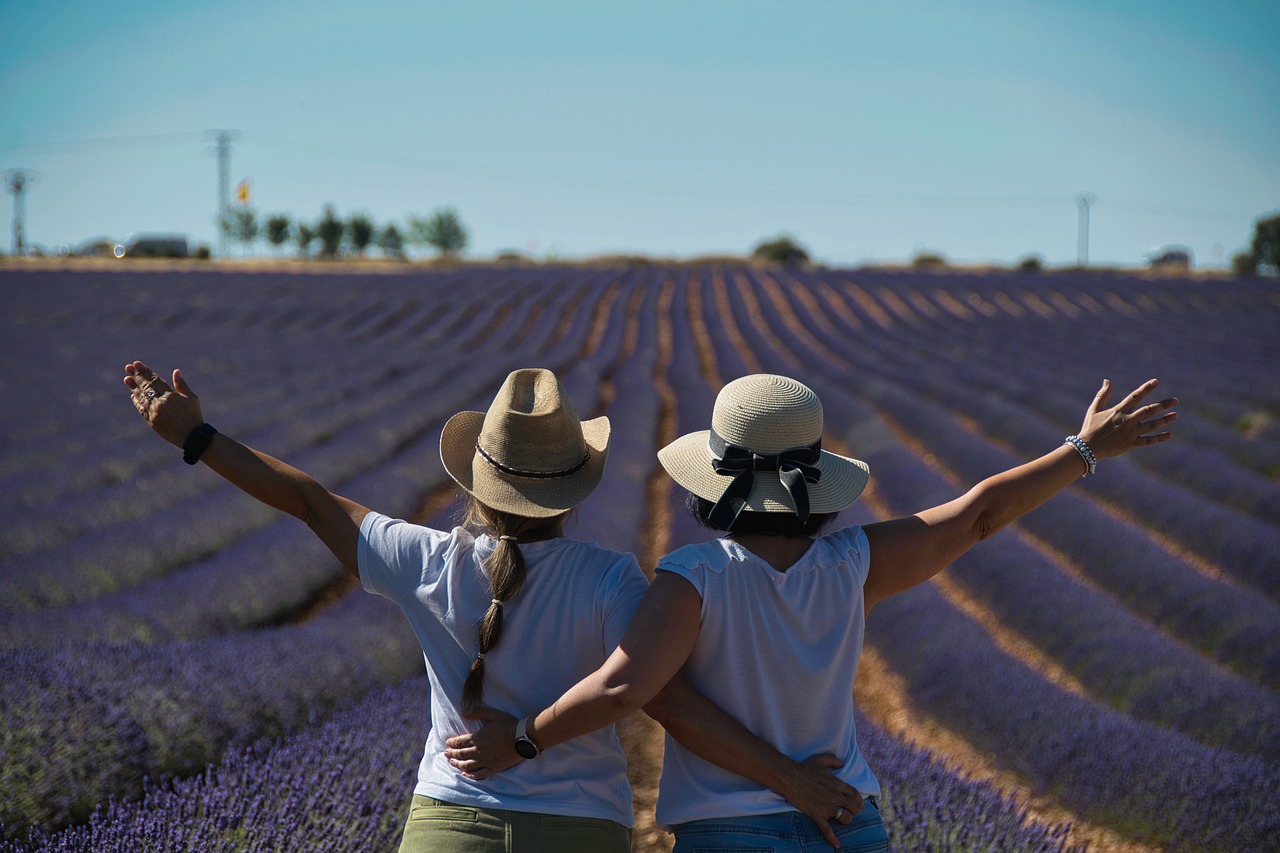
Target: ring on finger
[
  {"x": 151, "y": 393},
  {"x": 839, "y": 813}
]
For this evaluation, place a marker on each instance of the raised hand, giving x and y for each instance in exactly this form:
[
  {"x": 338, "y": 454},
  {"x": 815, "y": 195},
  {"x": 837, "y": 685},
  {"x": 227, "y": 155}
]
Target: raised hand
[
  {"x": 173, "y": 411},
  {"x": 1121, "y": 428}
]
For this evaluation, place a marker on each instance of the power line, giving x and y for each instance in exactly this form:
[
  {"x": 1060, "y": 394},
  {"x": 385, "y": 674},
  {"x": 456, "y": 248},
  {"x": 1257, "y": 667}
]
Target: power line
[
  {"x": 104, "y": 142},
  {"x": 368, "y": 156}
]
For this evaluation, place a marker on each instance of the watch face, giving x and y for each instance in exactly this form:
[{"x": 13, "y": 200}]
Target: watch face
[{"x": 526, "y": 749}]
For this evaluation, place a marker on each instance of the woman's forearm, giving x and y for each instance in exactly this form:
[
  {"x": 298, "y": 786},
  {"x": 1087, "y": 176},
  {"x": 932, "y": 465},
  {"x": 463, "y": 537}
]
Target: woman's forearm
[
  {"x": 908, "y": 551},
  {"x": 706, "y": 730},
  {"x": 658, "y": 642},
  {"x": 1004, "y": 498},
  {"x": 335, "y": 520},
  {"x": 263, "y": 477},
  {"x": 601, "y": 699}
]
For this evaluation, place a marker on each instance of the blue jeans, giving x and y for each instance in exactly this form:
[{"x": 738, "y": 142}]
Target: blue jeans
[{"x": 785, "y": 832}]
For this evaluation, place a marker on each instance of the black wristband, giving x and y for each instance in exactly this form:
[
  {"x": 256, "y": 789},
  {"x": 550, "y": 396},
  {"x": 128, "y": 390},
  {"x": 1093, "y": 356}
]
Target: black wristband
[{"x": 196, "y": 443}]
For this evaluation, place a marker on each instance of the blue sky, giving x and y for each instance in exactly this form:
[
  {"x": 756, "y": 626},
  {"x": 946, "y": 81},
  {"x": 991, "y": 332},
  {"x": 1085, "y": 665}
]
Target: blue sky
[{"x": 870, "y": 131}]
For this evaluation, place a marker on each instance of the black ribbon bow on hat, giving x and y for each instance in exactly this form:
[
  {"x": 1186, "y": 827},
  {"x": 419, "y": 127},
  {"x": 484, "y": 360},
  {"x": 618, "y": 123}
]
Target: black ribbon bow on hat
[{"x": 795, "y": 467}]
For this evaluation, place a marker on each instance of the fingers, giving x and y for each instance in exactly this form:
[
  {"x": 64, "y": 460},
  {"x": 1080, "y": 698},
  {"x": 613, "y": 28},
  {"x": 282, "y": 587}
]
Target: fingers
[
  {"x": 143, "y": 380},
  {"x": 1155, "y": 408},
  {"x": 459, "y": 742},
  {"x": 1131, "y": 402},
  {"x": 180, "y": 384},
  {"x": 141, "y": 372},
  {"x": 1100, "y": 399},
  {"x": 1145, "y": 422},
  {"x": 843, "y": 815}
]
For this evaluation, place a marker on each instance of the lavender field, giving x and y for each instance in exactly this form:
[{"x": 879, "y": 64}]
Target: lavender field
[{"x": 181, "y": 669}]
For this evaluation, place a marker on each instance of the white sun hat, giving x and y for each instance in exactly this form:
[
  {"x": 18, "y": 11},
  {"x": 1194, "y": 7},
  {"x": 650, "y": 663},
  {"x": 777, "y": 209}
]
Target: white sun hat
[{"x": 764, "y": 453}]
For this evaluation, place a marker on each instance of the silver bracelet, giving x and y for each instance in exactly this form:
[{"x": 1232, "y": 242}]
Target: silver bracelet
[{"x": 1086, "y": 453}]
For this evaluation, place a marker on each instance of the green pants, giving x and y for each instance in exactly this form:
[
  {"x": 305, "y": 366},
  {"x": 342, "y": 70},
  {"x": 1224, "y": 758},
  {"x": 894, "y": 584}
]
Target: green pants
[{"x": 435, "y": 826}]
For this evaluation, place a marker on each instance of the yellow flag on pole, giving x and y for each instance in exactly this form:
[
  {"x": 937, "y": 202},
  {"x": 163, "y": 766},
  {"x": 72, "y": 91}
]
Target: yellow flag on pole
[{"x": 242, "y": 192}]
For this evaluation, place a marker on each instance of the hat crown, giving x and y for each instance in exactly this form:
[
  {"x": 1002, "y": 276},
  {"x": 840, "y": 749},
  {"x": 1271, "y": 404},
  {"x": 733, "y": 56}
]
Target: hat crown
[
  {"x": 532, "y": 425},
  {"x": 767, "y": 414}
]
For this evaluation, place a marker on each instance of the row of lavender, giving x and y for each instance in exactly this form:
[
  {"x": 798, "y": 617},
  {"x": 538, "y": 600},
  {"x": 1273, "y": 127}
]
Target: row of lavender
[{"x": 683, "y": 356}]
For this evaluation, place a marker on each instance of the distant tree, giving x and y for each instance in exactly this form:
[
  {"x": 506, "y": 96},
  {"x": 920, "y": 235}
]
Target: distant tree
[
  {"x": 781, "y": 250},
  {"x": 330, "y": 230},
  {"x": 278, "y": 230},
  {"x": 390, "y": 241},
  {"x": 1244, "y": 264},
  {"x": 443, "y": 231},
  {"x": 242, "y": 226},
  {"x": 1031, "y": 263},
  {"x": 360, "y": 230},
  {"x": 928, "y": 261},
  {"x": 303, "y": 236},
  {"x": 1266, "y": 244}
]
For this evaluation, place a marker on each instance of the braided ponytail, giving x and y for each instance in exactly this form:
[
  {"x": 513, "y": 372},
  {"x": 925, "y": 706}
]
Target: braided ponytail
[{"x": 506, "y": 570}]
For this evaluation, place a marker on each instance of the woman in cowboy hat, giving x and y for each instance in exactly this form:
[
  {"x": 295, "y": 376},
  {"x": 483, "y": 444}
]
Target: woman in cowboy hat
[
  {"x": 508, "y": 610},
  {"x": 767, "y": 622}
]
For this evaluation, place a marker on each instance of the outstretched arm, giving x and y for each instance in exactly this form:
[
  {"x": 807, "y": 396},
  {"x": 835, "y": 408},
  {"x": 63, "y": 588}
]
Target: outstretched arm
[
  {"x": 908, "y": 551},
  {"x": 174, "y": 411}
]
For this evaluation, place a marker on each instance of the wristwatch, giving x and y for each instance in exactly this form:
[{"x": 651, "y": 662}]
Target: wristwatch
[
  {"x": 197, "y": 442},
  {"x": 525, "y": 746}
]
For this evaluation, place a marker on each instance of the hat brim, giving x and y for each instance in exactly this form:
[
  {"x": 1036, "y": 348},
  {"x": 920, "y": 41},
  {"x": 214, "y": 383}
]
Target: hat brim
[
  {"x": 688, "y": 461},
  {"x": 528, "y": 496}
]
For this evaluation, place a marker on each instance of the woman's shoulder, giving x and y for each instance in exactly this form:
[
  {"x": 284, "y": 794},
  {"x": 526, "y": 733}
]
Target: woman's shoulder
[
  {"x": 597, "y": 557},
  {"x": 712, "y": 555},
  {"x": 401, "y": 533},
  {"x": 848, "y": 544}
]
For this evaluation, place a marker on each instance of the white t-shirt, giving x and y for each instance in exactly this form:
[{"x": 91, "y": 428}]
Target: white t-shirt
[
  {"x": 572, "y": 611},
  {"x": 778, "y": 651}
]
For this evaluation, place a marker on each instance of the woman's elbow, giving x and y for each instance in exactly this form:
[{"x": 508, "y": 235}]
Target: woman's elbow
[
  {"x": 665, "y": 708},
  {"x": 986, "y": 526},
  {"x": 625, "y": 700},
  {"x": 313, "y": 504}
]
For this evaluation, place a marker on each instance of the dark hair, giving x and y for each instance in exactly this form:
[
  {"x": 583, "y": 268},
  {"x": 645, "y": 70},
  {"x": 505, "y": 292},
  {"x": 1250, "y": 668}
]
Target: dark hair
[
  {"x": 506, "y": 569},
  {"x": 784, "y": 524}
]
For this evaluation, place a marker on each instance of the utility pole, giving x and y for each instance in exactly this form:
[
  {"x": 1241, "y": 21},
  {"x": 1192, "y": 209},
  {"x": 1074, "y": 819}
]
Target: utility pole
[
  {"x": 1085, "y": 201},
  {"x": 222, "y": 150},
  {"x": 16, "y": 181}
]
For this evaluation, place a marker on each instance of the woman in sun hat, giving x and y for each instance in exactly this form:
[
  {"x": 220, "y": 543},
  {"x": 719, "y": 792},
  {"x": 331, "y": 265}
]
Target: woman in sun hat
[
  {"x": 767, "y": 621},
  {"x": 507, "y": 609}
]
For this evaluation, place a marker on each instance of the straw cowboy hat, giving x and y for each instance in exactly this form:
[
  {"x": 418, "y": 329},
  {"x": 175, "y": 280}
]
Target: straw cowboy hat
[
  {"x": 529, "y": 454},
  {"x": 764, "y": 453}
]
